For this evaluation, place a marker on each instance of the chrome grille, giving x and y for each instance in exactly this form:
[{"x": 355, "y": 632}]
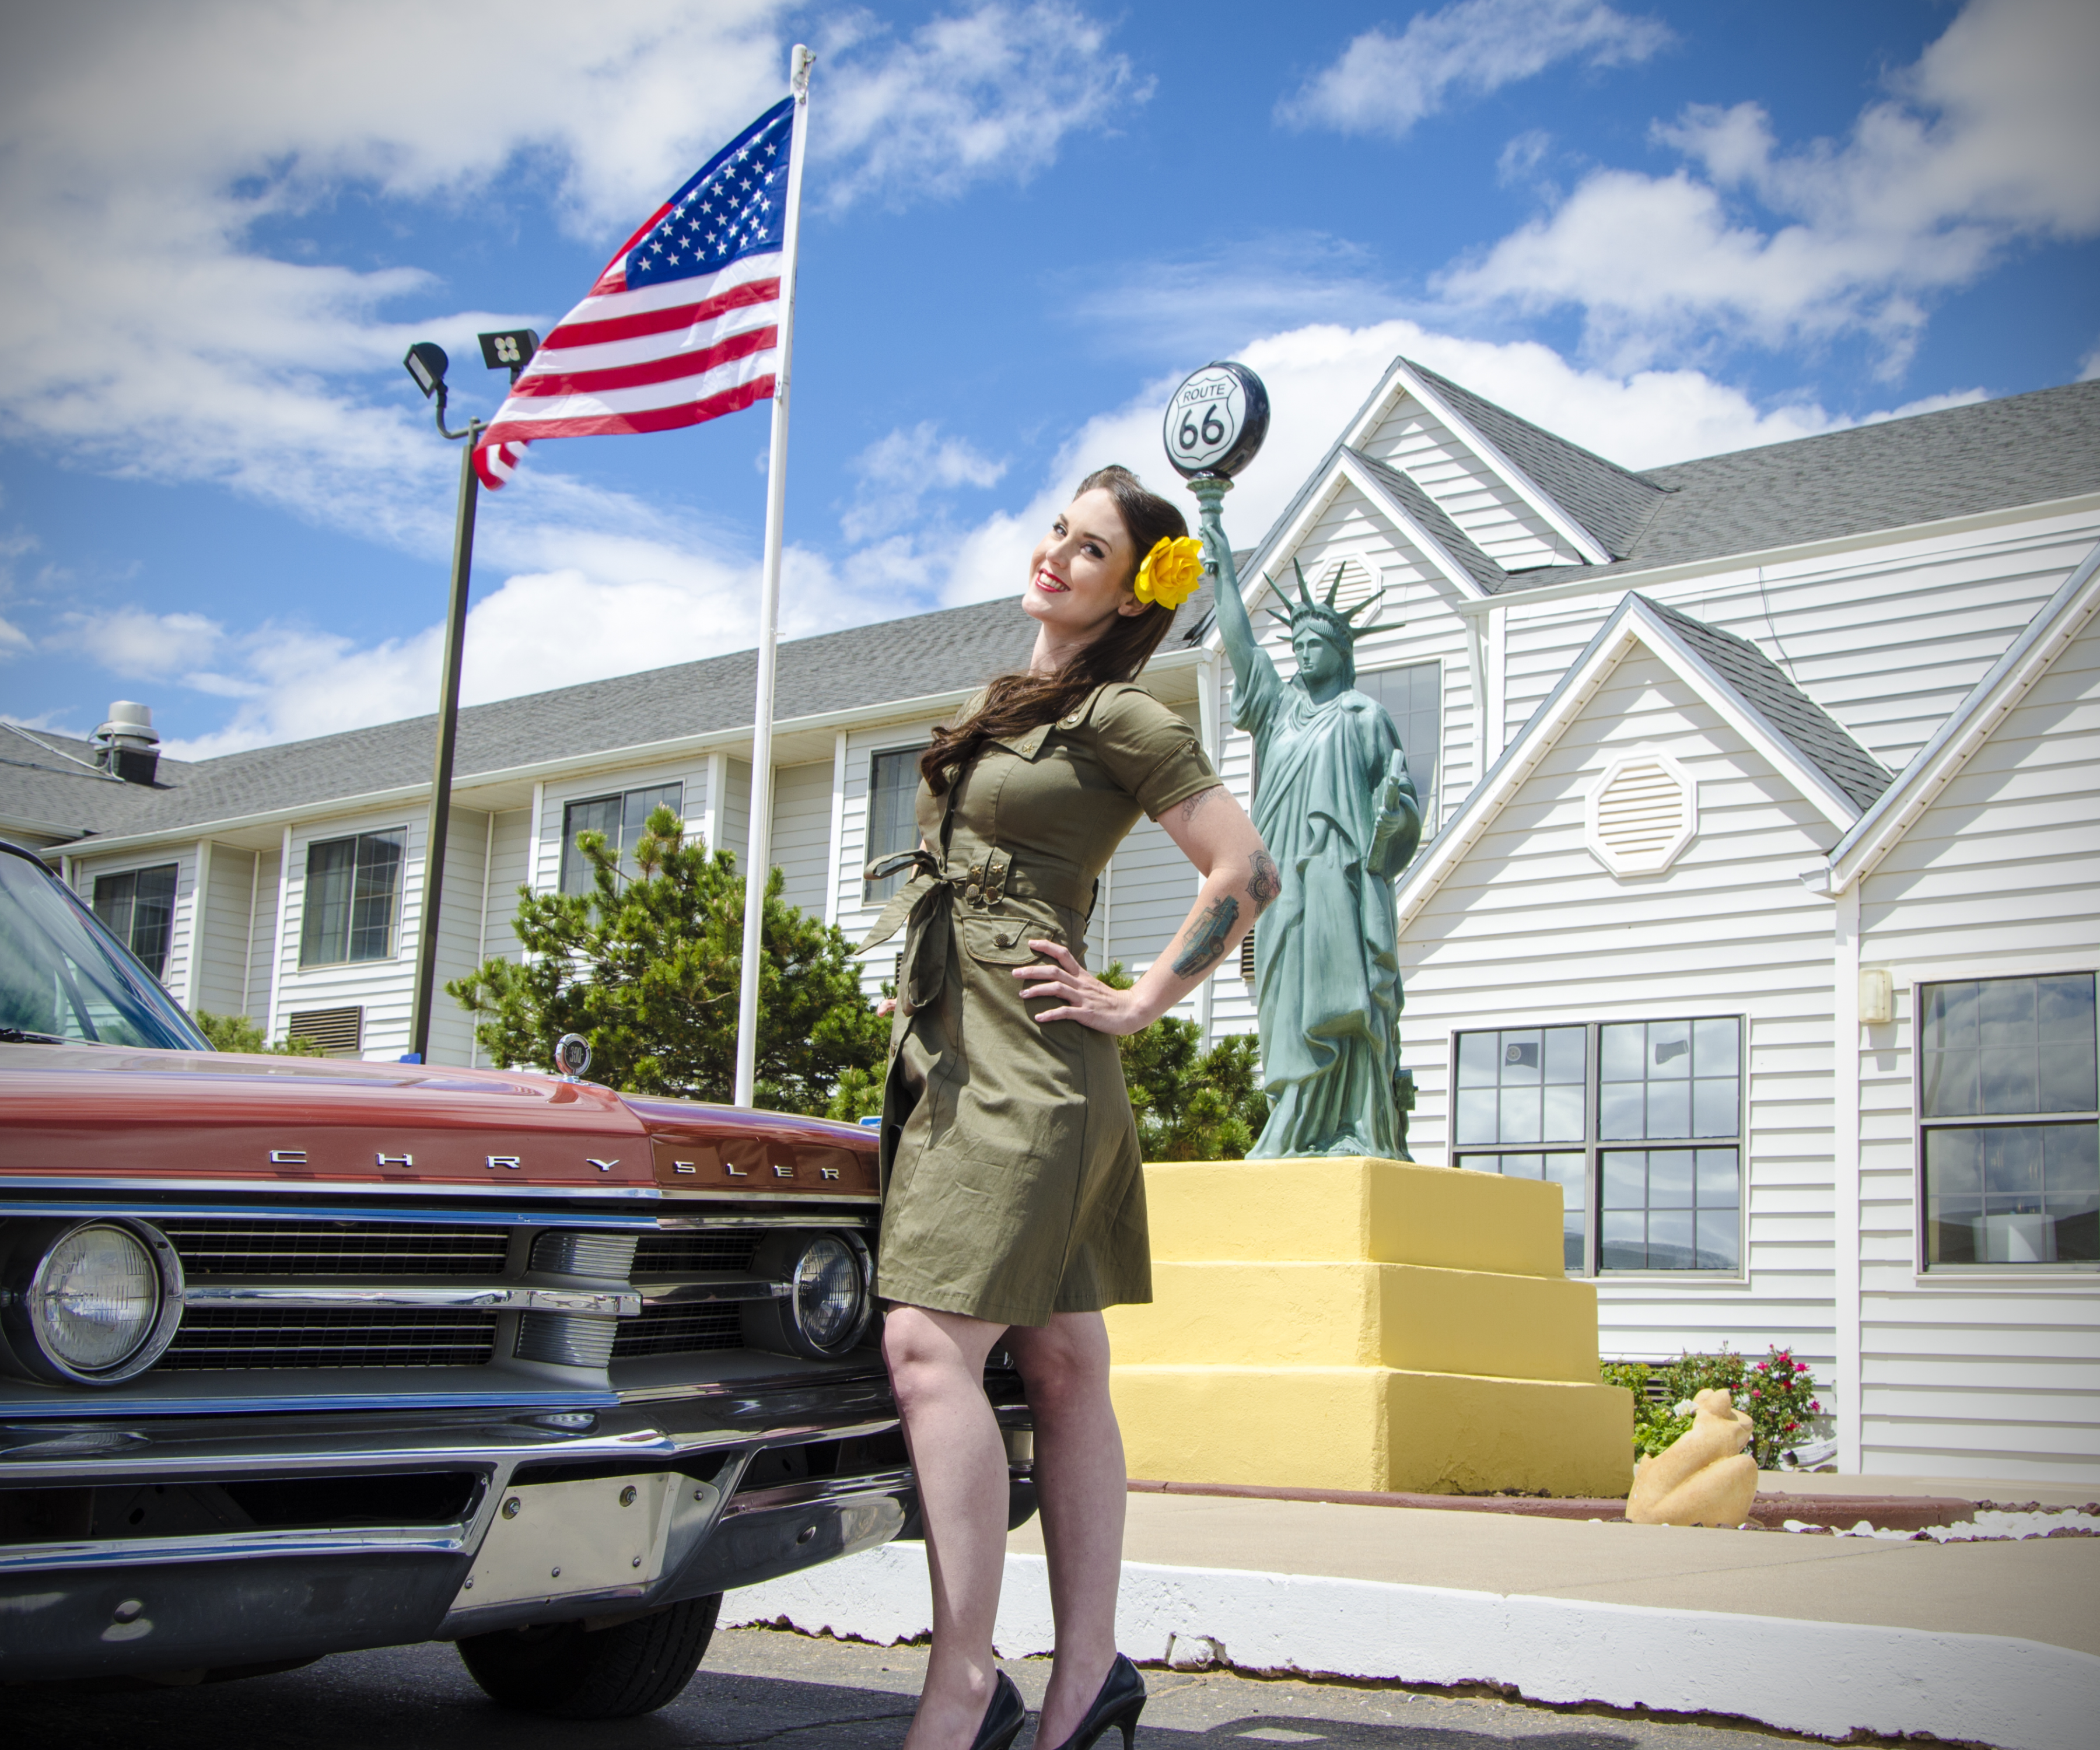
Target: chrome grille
[
  {"x": 250, "y": 1249},
  {"x": 661, "y": 1256},
  {"x": 678, "y": 1330},
  {"x": 212, "y": 1338}
]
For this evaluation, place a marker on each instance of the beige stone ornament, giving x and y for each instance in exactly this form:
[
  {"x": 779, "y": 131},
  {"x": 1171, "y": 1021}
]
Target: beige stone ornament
[{"x": 1703, "y": 1477}]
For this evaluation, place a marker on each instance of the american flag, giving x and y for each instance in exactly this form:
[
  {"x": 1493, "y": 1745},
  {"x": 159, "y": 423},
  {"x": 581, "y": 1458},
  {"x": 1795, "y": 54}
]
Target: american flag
[{"x": 682, "y": 325}]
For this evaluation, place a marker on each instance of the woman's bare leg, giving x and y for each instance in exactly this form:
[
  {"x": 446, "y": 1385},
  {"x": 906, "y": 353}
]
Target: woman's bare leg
[
  {"x": 1082, "y": 1491},
  {"x": 937, "y": 1362}
]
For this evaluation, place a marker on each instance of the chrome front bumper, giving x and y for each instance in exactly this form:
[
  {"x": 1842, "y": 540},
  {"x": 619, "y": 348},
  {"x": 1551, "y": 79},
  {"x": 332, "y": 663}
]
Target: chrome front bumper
[{"x": 219, "y": 1598}]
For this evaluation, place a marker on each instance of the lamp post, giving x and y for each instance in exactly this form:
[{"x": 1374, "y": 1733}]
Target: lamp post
[{"x": 426, "y": 363}]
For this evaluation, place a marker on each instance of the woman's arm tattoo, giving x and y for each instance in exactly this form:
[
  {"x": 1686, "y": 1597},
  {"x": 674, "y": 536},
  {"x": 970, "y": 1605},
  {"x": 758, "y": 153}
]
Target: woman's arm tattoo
[
  {"x": 1206, "y": 943},
  {"x": 1189, "y": 808},
  {"x": 1263, "y": 883}
]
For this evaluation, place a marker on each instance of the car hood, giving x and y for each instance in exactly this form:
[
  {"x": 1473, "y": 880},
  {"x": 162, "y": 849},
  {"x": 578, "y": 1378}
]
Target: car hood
[{"x": 74, "y": 1112}]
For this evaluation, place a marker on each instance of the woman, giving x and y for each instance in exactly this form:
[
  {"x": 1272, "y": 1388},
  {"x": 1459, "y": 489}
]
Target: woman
[{"x": 1014, "y": 1194}]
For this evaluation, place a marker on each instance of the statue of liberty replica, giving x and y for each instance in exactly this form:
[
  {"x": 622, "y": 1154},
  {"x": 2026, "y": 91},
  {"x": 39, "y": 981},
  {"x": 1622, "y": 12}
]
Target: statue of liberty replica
[{"x": 1335, "y": 806}]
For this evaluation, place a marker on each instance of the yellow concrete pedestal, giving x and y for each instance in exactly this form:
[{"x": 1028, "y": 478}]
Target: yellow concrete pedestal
[{"x": 1365, "y": 1325}]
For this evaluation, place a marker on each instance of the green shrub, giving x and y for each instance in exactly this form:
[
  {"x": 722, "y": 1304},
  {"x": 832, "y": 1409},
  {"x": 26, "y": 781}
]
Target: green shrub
[
  {"x": 237, "y": 1033},
  {"x": 1776, "y": 1394}
]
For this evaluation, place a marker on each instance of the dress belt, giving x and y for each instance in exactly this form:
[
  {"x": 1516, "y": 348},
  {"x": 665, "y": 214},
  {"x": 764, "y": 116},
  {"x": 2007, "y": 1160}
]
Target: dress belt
[{"x": 929, "y": 923}]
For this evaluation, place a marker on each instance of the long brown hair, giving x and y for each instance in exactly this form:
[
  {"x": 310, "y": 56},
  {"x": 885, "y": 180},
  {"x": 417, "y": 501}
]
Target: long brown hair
[{"x": 1014, "y": 703}]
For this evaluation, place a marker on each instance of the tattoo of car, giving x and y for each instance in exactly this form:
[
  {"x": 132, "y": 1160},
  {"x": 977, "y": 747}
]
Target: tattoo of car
[{"x": 1206, "y": 944}]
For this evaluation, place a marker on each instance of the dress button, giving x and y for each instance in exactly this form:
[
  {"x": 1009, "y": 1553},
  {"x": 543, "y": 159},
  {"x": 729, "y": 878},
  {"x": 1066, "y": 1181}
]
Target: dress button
[{"x": 1003, "y": 941}]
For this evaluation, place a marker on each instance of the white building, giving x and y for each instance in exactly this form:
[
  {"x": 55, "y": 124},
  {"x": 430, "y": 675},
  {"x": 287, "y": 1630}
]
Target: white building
[{"x": 1760, "y": 912}]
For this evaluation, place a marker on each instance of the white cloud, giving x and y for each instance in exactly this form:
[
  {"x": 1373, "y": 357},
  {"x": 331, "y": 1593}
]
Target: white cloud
[
  {"x": 13, "y": 640},
  {"x": 897, "y": 471},
  {"x": 139, "y": 644},
  {"x": 1318, "y": 376},
  {"x": 1992, "y": 137},
  {"x": 2088, "y": 367},
  {"x": 1521, "y": 156},
  {"x": 141, "y": 146},
  {"x": 989, "y": 93},
  {"x": 1385, "y": 84}
]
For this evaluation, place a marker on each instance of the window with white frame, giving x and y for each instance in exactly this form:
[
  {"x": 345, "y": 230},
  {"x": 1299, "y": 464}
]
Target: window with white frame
[
  {"x": 893, "y": 823},
  {"x": 138, "y": 907},
  {"x": 2009, "y": 1122},
  {"x": 353, "y": 898},
  {"x": 1641, "y": 1123},
  {"x": 1414, "y": 695},
  {"x": 623, "y": 819}
]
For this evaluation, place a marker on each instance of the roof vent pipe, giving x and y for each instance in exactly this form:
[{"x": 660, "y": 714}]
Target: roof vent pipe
[{"x": 126, "y": 744}]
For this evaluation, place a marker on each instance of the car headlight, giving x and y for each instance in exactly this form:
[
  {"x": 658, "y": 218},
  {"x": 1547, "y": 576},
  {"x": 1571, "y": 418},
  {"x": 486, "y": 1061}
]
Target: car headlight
[
  {"x": 825, "y": 1303},
  {"x": 89, "y": 1302}
]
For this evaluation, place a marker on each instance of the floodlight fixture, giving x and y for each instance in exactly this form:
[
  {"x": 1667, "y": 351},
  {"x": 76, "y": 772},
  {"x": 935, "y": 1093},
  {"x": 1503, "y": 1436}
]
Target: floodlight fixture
[
  {"x": 509, "y": 350},
  {"x": 427, "y": 364}
]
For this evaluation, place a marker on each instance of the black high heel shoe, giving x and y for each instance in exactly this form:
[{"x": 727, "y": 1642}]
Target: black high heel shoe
[
  {"x": 1004, "y": 1715},
  {"x": 1121, "y": 1700}
]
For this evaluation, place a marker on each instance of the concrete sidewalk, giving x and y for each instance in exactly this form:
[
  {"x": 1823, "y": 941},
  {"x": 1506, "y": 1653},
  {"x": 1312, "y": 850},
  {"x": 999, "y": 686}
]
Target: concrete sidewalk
[
  {"x": 2041, "y": 1589},
  {"x": 1995, "y": 1643}
]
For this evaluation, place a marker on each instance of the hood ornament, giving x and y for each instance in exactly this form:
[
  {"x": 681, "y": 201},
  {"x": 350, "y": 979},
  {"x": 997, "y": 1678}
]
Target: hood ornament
[{"x": 572, "y": 1056}]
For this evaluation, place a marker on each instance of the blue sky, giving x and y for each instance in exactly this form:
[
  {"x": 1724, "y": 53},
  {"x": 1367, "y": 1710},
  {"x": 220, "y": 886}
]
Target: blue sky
[{"x": 1663, "y": 230}]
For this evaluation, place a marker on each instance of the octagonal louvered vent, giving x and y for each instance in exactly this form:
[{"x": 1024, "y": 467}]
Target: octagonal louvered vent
[{"x": 1643, "y": 813}]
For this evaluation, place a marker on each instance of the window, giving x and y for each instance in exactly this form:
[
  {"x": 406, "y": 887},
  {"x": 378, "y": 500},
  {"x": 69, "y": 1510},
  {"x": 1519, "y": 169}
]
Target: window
[
  {"x": 1590, "y": 1107},
  {"x": 353, "y": 898},
  {"x": 621, "y": 818},
  {"x": 2022, "y": 1188},
  {"x": 138, "y": 907},
  {"x": 1414, "y": 695},
  {"x": 893, "y": 822}
]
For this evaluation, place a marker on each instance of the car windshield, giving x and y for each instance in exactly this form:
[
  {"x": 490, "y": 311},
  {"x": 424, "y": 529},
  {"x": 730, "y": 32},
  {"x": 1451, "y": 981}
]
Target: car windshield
[{"x": 63, "y": 977}]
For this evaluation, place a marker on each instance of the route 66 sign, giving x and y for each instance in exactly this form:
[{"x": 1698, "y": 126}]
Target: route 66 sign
[{"x": 1217, "y": 419}]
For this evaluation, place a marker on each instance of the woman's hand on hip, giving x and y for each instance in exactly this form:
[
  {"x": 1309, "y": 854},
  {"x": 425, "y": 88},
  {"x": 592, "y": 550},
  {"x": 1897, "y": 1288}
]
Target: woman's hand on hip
[{"x": 1080, "y": 995}]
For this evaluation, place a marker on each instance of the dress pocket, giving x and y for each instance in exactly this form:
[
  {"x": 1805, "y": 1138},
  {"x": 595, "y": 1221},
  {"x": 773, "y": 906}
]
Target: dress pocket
[{"x": 1001, "y": 938}]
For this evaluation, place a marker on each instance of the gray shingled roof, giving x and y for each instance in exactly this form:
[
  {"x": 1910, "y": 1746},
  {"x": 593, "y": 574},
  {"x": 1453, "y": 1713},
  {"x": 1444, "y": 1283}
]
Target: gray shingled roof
[
  {"x": 39, "y": 786},
  {"x": 1613, "y": 504},
  {"x": 1429, "y": 515},
  {"x": 1814, "y": 732},
  {"x": 940, "y": 652},
  {"x": 1990, "y": 455}
]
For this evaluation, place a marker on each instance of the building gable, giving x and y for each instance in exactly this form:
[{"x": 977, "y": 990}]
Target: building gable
[
  {"x": 1415, "y": 425},
  {"x": 1819, "y": 762}
]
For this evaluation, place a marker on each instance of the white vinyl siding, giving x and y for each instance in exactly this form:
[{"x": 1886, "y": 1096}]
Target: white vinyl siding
[
  {"x": 217, "y": 983},
  {"x": 1888, "y": 642},
  {"x": 264, "y": 933},
  {"x": 1530, "y": 930},
  {"x": 459, "y": 935},
  {"x": 510, "y": 862},
  {"x": 1987, "y": 1374},
  {"x": 1469, "y": 491},
  {"x": 802, "y": 833}
]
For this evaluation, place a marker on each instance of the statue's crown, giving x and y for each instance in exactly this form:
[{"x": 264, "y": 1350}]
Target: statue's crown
[{"x": 1338, "y": 623}]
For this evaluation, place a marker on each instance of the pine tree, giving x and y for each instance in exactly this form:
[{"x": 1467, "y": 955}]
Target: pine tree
[{"x": 646, "y": 969}]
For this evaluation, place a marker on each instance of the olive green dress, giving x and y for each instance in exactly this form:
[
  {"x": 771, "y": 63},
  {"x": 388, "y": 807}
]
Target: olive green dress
[{"x": 1012, "y": 1186}]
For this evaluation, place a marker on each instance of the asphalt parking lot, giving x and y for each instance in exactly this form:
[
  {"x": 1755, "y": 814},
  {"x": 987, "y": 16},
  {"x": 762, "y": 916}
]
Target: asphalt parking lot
[{"x": 787, "y": 1692}]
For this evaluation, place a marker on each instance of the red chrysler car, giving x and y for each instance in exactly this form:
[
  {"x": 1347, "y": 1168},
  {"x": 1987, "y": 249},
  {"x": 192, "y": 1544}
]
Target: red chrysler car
[{"x": 301, "y": 1354}]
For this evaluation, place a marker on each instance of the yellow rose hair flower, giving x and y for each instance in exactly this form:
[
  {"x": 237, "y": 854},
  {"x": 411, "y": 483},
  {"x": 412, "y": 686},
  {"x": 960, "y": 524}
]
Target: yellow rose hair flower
[{"x": 1171, "y": 571}]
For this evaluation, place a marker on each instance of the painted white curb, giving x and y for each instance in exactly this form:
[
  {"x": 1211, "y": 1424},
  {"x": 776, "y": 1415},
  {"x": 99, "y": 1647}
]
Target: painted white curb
[{"x": 1829, "y": 1679}]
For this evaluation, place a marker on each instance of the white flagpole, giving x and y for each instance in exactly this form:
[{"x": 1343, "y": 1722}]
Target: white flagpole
[{"x": 758, "y": 856}]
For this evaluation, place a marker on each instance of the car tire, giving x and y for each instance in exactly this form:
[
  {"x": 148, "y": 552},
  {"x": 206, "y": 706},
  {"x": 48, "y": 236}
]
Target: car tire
[{"x": 567, "y": 1672}]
